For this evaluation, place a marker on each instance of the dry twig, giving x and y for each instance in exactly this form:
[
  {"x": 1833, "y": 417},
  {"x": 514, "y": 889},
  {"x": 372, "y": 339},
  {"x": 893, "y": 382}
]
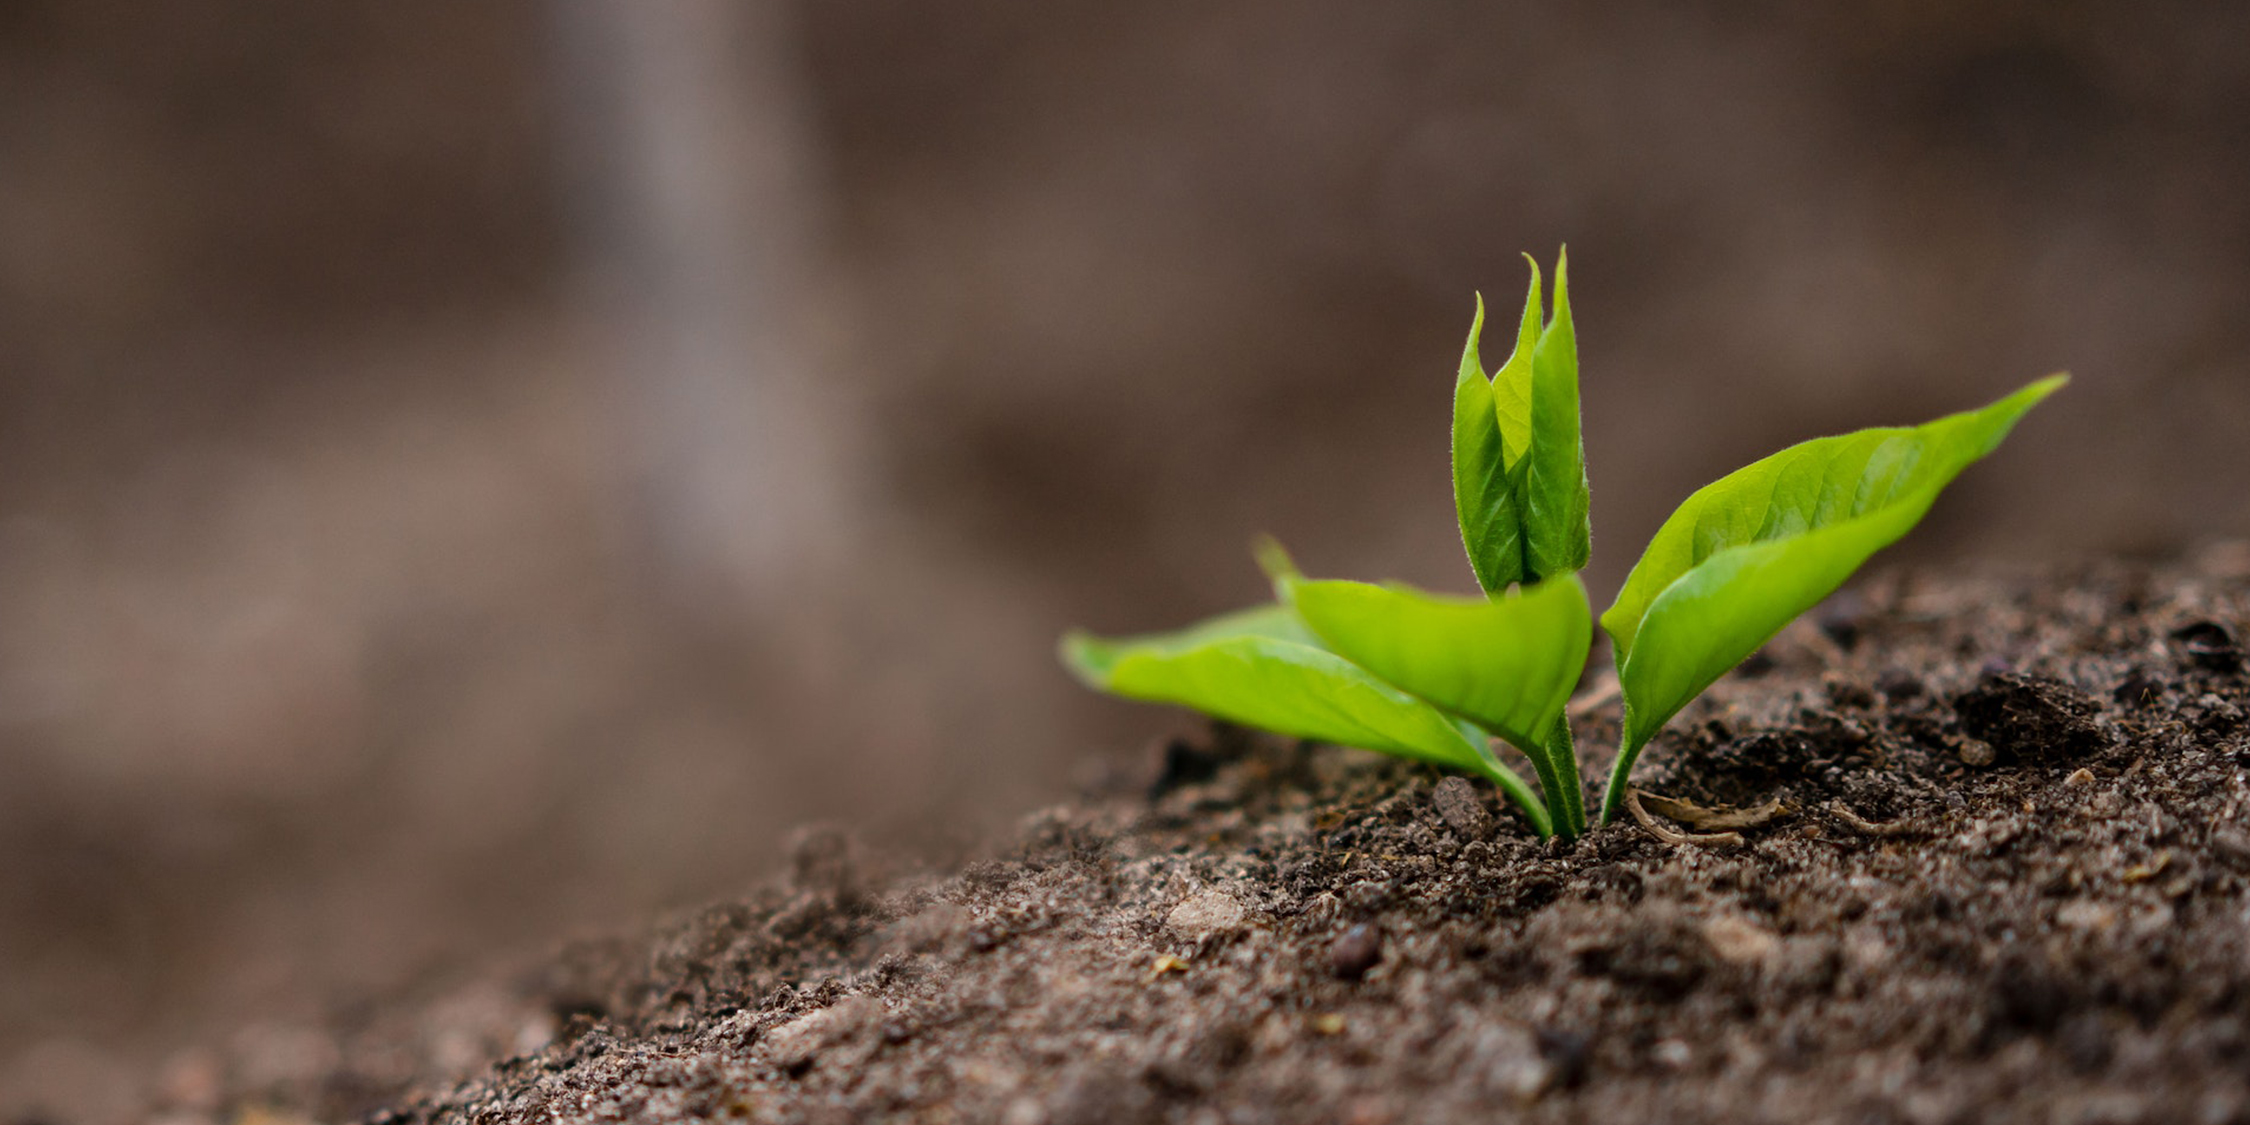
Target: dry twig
[
  {"x": 1677, "y": 839},
  {"x": 1866, "y": 827},
  {"x": 1715, "y": 820}
]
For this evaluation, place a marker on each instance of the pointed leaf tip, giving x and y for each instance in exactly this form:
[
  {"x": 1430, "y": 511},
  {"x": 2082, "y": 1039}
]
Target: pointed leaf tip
[{"x": 1273, "y": 558}]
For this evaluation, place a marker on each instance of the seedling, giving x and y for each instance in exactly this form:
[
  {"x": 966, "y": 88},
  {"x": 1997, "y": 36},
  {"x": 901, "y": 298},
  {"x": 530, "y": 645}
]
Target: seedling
[{"x": 1438, "y": 678}]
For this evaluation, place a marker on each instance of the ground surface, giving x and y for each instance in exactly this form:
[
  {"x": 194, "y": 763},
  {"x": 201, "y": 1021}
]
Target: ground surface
[{"x": 2010, "y": 887}]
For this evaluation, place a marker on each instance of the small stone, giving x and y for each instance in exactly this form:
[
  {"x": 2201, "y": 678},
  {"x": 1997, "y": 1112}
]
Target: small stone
[
  {"x": 1739, "y": 941},
  {"x": 1457, "y": 802},
  {"x": 1672, "y": 1054},
  {"x": 1510, "y": 1063},
  {"x": 1205, "y": 914},
  {"x": 1976, "y": 753},
  {"x": 2086, "y": 916},
  {"x": 2079, "y": 778},
  {"x": 1355, "y": 951}
]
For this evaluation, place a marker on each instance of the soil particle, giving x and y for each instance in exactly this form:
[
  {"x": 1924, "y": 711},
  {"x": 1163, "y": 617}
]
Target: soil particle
[
  {"x": 1288, "y": 933},
  {"x": 1355, "y": 951},
  {"x": 2031, "y": 717},
  {"x": 2209, "y": 645},
  {"x": 1205, "y": 915},
  {"x": 1463, "y": 810}
]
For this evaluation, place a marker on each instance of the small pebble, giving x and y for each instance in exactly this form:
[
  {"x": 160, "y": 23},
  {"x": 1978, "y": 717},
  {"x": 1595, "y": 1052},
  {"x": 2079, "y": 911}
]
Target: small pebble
[
  {"x": 2086, "y": 916},
  {"x": 1672, "y": 1054},
  {"x": 1355, "y": 951},
  {"x": 1457, "y": 802},
  {"x": 1739, "y": 941},
  {"x": 1976, "y": 753},
  {"x": 1205, "y": 914}
]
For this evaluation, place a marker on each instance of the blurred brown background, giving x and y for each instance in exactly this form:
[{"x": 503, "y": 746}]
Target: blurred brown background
[{"x": 474, "y": 472}]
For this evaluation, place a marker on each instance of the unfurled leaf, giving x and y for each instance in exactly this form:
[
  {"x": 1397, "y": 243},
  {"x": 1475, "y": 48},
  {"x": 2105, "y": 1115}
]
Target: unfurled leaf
[
  {"x": 1263, "y": 669},
  {"x": 1749, "y": 552},
  {"x": 1506, "y": 663}
]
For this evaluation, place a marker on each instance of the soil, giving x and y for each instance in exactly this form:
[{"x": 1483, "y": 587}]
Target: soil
[{"x": 2007, "y": 884}]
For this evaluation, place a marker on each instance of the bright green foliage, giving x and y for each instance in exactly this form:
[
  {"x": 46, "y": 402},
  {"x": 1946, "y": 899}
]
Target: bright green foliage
[
  {"x": 1261, "y": 667},
  {"x": 1749, "y": 552},
  {"x": 1519, "y": 465},
  {"x": 1435, "y": 677},
  {"x": 1505, "y": 663}
]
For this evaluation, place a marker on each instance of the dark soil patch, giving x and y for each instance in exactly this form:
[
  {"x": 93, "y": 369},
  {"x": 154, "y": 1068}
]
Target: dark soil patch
[{"x": 2011, "y": 889}]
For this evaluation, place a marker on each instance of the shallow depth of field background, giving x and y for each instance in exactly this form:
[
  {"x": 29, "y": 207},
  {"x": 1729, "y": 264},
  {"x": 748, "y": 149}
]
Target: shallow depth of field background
[{"x": 474, "y": 473}]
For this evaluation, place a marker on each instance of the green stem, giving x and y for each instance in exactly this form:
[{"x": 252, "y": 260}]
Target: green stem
[
  {"x": 1566, "y": 791},
  {"x": 1551, "y": 785},
  {"x": 1629, "y": 748}
]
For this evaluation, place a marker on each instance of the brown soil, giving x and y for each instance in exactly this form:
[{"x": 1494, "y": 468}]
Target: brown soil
[{"x": 2010, "y": 887}]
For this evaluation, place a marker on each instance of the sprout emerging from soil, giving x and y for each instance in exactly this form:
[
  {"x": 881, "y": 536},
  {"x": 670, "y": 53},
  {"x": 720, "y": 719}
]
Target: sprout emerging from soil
[{"x": 1438, "y": 678}]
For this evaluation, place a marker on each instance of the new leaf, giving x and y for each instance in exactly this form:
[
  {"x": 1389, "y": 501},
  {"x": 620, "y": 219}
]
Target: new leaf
[
  {"x": 1749, "y": 552},
  {"x": 1519, "y": 466}
]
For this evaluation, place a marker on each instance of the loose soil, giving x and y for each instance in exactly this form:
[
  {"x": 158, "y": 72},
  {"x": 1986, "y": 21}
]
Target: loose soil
[{"x": 2007, "y": 885}]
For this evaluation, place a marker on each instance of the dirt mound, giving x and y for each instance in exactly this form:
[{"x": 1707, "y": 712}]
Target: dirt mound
[{"x": 2007, "y": 884}]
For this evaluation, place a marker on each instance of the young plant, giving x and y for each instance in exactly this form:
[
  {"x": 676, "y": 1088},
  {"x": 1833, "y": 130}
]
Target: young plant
[{"x": 1437, "y": 677}]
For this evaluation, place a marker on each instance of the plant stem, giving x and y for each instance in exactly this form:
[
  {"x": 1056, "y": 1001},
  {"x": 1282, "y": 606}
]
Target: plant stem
[
  {"x": 1565, "y": 791},
  {"x": 1551, "y": 784},
  {"x": 1628, "y": 749}
]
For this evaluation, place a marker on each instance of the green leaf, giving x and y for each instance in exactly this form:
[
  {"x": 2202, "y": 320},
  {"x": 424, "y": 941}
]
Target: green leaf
[
  {"x": 1262, "y": 668},
  {"x": 1749, "y": 552},
  {"x": 1519, "y": 473},
  {"x": 1557, "y": 533},
  {"x": 1483, "y": 496},
  {"x": 1511, "y": 385},
  {"x": 1506, "y": 663}
]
